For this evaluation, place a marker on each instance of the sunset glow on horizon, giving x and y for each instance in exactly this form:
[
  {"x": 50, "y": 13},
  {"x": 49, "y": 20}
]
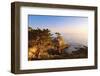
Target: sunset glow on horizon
[
  {"x": 62, "y": 24},
  {"x": 71, "y": 26}
]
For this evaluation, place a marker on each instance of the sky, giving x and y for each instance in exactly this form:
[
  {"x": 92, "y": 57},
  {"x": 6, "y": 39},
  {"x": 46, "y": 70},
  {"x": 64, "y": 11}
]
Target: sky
[
  {"x": 62, "y": 24},
  {"x": 74, "y": 29}
]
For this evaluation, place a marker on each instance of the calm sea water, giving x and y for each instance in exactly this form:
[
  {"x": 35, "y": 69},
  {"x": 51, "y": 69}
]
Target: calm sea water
[{"x": 75, "y": 41}]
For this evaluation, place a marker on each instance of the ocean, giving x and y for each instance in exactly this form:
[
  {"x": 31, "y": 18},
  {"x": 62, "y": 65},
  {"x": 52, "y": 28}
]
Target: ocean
[{"x": 75, "y": 41}]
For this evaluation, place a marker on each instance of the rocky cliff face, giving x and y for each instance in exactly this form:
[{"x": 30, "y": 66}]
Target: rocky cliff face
[{"x": 43, "y": 51}]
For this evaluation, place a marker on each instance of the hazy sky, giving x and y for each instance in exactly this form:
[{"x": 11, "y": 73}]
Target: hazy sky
[{"x": 62, "y": 24}]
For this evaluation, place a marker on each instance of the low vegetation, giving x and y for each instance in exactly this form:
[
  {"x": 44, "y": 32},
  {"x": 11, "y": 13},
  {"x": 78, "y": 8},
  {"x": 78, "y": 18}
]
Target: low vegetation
[{"x": 43, "y": 45}]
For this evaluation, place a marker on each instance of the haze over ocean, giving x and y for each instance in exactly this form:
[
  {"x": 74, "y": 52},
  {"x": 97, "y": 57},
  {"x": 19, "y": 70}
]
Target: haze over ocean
[{"x": 74, "y": 29}]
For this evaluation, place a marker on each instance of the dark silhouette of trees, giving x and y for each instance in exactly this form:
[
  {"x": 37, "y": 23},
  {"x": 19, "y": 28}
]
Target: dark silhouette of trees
[
  {"x": 57, "y": 33},
  {"x": 43, "y": 45},
  {"x": 40, "y": 38}
]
